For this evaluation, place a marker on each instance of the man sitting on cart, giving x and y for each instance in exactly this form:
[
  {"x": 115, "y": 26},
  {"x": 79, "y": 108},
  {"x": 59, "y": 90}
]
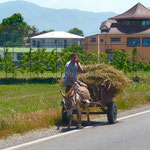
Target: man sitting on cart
[{"x": 71, "y": 72}]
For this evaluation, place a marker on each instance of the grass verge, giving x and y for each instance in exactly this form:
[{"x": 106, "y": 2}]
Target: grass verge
[{"x": 22, "y": 123}]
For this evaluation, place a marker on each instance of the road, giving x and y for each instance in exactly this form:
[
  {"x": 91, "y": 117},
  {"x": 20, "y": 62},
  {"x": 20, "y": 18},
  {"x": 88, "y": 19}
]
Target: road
[{"x": 127, "y": 134}]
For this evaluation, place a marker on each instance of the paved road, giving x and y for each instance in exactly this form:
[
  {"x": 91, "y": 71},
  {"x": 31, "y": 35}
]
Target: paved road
[{"x": 128, "y": 134}]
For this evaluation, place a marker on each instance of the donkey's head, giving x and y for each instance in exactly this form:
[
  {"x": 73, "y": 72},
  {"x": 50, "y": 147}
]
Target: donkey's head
[{"x": 69, "y": 101}]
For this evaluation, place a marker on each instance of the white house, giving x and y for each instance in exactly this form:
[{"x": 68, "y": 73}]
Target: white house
[{"x": 55, "y": 39}]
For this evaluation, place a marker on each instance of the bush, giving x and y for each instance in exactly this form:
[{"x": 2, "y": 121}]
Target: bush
[{"x": 119, "y": 60}]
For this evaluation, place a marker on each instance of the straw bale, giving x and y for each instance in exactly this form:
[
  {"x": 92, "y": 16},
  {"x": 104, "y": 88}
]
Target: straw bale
[{"x": 103, "y": 81}]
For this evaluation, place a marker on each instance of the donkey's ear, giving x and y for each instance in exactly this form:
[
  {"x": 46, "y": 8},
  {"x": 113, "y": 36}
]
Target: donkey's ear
[
  {"x": 63, "y": 95},
  {"x": 69, "y": 92}
]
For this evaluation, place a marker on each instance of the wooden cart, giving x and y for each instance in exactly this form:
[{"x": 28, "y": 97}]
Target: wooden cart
[{"x": 105, "y": 101}]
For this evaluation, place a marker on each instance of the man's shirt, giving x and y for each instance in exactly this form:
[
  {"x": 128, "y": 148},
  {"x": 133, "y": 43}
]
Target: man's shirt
[{"x": 72, "y": 70}]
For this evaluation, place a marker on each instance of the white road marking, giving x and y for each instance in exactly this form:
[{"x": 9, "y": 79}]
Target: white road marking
[
  {"x": 67, "y": 133},
  {"x": 41, "y": 140},
  {"x": 130, "y": 116}
]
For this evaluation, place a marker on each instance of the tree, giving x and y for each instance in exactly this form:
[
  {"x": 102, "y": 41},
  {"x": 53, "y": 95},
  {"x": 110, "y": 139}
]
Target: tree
[
  {"x": 74, "y": 49},
  {"x": 13, "y": 30},
  {"x": 76, "y": 31},
  {"x": 34, "y": 29},
  {"x": 38, "y": 61},
  {"x": 51, "y": 61},
  {"x": 119, "y": 60},
  {"x": 7, "y": 64},
  {"x": 134, "y": 60},
  {"x": 50, "y": 30}
]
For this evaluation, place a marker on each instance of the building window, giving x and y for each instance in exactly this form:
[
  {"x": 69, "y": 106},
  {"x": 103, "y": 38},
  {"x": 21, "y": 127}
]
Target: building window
[
  {"x": 55, "y": 42},
  {"x": 145, "y": 22},
  {"x": 126, "y": 22},
  {"x": 93, "y": 39},
  {"x": 34, "y": 43},
  {"x": 104, "y": 30},
  {"x": 146, "y": 42},
  {"x": 19, "y": 56},
  {"x": 43, "y": 41},
  {"x": 101, "y": 40},
  {"x": 148, "y": 22},
  {"x": 136, "y": 22},
  {"x": 38, "y": 44},
  {"x": 110, "y": 54},
  {"x": 65, "y": 43},
  {"x": 79, "y": 43},
  {"x": 133, "y": 42},
  {"x": 115, "y": 39}
]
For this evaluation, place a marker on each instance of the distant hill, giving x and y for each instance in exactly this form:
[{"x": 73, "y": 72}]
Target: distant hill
[{"x": 57, "y": 19}]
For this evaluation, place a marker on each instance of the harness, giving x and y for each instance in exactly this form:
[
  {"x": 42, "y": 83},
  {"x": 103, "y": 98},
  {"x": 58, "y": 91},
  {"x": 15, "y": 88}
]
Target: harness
[
  {"x": 84, "y": 101},
  {"x": 77, "y": 95}
]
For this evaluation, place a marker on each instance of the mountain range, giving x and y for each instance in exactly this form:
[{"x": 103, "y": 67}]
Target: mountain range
[{"x": 58, "y": 19}]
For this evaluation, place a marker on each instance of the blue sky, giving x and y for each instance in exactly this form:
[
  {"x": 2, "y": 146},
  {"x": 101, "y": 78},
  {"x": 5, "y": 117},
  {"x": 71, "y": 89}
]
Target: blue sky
[{"x": 118, "y": 6}]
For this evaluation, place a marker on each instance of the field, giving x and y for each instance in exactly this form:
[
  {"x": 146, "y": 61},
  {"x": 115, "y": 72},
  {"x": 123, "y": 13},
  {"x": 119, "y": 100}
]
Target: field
[
  {"x": 27, "y": 104},
  {"x": 26, "y": 98},
  {"x": 136, "y": 94}
]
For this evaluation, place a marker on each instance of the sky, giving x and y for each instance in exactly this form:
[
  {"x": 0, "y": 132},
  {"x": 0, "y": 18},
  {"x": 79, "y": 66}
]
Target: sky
[{"x": 117, "y": 6}]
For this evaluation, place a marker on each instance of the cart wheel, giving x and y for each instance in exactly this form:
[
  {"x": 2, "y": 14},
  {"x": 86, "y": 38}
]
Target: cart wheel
[
  {"x": 64, "y": 115},
  {"x": 112, "y": 112}
]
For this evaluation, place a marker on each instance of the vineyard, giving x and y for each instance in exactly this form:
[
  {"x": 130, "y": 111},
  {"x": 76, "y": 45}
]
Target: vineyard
[{"x": 37, "y": 63}]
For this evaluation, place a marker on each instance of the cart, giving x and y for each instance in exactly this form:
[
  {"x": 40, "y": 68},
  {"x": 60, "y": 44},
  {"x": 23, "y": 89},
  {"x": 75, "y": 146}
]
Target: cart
[{"x": 104, "y": 100}]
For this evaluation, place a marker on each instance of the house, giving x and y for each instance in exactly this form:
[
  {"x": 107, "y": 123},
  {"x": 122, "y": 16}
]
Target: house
[
  {"x": 55, "y": 39},
  {"x": 31, "y": 33},
  {"x": 125, "y": 31}
]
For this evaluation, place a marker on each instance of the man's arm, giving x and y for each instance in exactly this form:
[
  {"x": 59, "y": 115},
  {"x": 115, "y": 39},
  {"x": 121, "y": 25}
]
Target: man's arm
[{"x": 80, "y": 69}]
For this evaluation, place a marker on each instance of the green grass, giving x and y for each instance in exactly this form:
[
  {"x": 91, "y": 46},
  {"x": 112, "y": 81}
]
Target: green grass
[
  {"x": 136, "y": 93},
  {"x": 25, "y": 98},
  {"x": 26, "y": 50}
]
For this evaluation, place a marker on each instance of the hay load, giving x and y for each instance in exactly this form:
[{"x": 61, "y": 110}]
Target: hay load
[{"x": 103, "y": 82}]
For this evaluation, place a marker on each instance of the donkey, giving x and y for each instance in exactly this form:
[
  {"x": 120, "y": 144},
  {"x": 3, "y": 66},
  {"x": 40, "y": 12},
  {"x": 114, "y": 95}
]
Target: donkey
[{"x": 76, "y": 98}]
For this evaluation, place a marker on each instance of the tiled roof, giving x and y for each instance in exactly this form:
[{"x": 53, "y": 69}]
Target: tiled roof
[
  {"x": 107, "y": 24},
  {"x": 118, "y": 29},
  {"x": 136, "y": 12}
]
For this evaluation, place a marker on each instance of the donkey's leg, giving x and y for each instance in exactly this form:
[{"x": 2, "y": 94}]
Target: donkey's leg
[
  {"x": 88, "y": 117},
  {"x": 70, "y": 122},
  {"x": 78, "y": 117},
  {"x": 70, "y": 118}
]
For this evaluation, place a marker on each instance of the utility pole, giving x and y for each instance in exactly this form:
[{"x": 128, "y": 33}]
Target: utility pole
[
  {"x": 4, "y": 44},
  {"x": 98, "y": 49}
]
